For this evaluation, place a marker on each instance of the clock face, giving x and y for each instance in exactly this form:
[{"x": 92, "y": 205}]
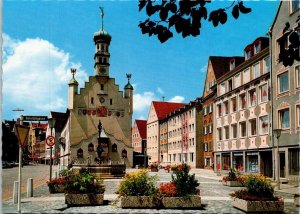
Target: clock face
[
  {"x": 102, "y": 70},
  {"x": 102, "y": 100}
]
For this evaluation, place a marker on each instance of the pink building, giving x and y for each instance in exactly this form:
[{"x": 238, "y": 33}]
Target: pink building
[{"x": 139, "y": 136}]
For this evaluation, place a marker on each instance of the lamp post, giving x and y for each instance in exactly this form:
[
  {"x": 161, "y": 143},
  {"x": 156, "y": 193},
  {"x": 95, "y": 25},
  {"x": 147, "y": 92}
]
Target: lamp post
[
  {"x": 277, "y": 134},
  {"x": 51, "y": 123}
]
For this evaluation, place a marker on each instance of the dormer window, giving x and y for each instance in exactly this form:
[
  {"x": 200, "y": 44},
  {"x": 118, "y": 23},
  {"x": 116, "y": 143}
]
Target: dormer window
[
  {"x": 232, "y": 64},
  {"x": 247, "y": 54},
  {"x": 257, "y": 47}
]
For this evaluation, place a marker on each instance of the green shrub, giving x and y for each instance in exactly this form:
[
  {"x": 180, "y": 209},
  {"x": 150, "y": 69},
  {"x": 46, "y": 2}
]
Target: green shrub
[
  {"x": 259, "y": 185},
  {"x": 137, "y": 183},
  {"x": 83, "y": 182},
  {"x": 185, "y": 184}
]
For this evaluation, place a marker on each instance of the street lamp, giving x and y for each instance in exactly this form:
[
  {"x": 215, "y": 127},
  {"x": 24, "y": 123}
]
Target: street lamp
[
  {"x": 277, "y": 134},
  {"x": 51, "y": 123}
]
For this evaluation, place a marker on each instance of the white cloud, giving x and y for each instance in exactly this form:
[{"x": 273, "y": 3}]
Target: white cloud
[
  {"x": 142, "y": 102},
  {"x": 160, "y": 91},
  {"x": 204, "y": 69},
  {"x": 177, "y": 99},
  {"x": 36, "y": 74}
]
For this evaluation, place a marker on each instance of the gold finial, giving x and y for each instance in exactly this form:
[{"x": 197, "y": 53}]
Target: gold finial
[{"x": 102, "y": 15}]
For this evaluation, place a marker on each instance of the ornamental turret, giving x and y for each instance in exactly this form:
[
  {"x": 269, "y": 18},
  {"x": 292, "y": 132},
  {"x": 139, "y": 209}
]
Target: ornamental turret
[
  {"x": 129, "y": 93},
  {"x": 102, "y": 41}
]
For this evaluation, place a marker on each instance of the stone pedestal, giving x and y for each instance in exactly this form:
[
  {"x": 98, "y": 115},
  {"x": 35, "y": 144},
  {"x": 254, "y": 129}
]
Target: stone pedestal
[{"x": 259, "y": 206}]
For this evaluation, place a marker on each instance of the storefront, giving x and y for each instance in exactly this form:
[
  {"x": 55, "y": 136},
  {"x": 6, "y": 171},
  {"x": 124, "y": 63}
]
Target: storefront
[
  {"x": 237, "y": 161},
  {"x": 252, "y": 162}
]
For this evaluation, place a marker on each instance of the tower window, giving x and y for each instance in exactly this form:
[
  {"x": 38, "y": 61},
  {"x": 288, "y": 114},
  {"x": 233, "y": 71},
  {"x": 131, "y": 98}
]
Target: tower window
[
  {"x": 102, "y": 87},
  {"x": 97, "y": 46},
  {"x": 110, "y": 101},
  {"x": 102, "y": 47},
  {"x": 92, "y": 100},
  {"x": 104, "y": 60}
]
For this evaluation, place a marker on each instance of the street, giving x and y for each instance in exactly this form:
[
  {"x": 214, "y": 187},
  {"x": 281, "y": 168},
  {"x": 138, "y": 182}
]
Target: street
[{"x": 214, "y": 196}]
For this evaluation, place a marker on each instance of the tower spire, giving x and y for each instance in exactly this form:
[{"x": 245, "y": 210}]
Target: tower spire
[{"x": 102, "y": 15}]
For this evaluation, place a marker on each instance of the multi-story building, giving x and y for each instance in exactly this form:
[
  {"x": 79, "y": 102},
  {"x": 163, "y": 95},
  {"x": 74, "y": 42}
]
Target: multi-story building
[
  {"x": 242, "y": 113},
  {"x": 285, "y": 34},
  {"x": 216, "y": 67},
  {"x": 158, "y": 111},
  {"x": 182, "y": 146},
  {"x": 36, "y": 140},
  {"x": 139, "y": 136}
]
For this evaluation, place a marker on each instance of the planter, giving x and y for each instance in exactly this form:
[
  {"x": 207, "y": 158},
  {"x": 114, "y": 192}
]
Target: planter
[
  {"x": 296, "y": 200},
  {"x": 139, "y": 202},
  {"x": 181, "y": 202},
  {"x": 83, "y": 199},
  {"x": 57, "y": 189},
  {"x": 259, "y": 206},
  {"x": 232, "y": 183}
]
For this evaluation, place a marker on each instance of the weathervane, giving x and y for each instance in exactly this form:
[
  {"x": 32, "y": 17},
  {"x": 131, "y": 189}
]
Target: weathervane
[
  {"x": 102, "y": 15},
  {"x": 73, "y": 71},
  {"x": 128, "y": 76}
]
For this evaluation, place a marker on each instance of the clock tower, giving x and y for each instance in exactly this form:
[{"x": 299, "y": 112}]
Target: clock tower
[{"x": 102, "y": 41}]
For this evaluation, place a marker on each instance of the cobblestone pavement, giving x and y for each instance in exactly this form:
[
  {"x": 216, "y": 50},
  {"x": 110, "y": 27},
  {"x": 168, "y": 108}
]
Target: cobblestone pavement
[{"x": 214, "y": 198}]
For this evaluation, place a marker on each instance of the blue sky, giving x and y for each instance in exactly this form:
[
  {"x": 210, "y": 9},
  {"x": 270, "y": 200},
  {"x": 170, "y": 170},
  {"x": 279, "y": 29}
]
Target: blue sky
[{"x": 42, "y": 40}]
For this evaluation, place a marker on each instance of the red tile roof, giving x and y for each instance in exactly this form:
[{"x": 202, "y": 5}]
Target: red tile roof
[
  {"x": 142, "y": 127},
  {"x": 220, "y": 64},
  {"x": 164, "y": 108}
]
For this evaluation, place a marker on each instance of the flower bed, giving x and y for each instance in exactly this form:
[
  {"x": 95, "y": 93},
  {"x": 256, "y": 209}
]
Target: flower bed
[
  {"x": 233, "y": 179},
  {"x": 57, "y": 185},
  {"x": 258, "y": 196}
]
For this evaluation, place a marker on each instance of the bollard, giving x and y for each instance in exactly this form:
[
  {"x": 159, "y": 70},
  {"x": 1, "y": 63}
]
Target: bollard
[
  {"x": 15, "y": 193},
  {"x": 29, "y": 187}
]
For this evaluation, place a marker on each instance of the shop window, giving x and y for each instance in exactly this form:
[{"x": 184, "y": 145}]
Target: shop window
[
  {"x": 283, "y": 82},
  {"x": 284, "y": 118},
  {"x": 294, "y": 163},
  {"x": 234, "y": 130},
  {"x": 242, "y": 129},
  {"x": 252, "y": 127},
  {"x": 242, "y": 101},
  {"x": 91, "y": 147},
  {"x": 252, "y": 162},
  {"x": 263, "y": 90},
  {"x": 237, "y": 161},
  {"x": 80, "y": 153},
  {"x": 264, "y": 125},
  {"x": 252, "y": 97},
  {"x": 226, "y": 161}
]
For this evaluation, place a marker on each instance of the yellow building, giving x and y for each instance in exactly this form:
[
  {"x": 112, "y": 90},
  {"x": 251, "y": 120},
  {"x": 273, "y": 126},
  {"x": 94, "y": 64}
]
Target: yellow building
[{"x": 99, "y": 113}]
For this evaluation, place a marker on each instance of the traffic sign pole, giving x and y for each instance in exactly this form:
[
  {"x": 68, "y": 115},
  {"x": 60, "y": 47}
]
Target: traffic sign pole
[
  {"x": 50, "y": 141},
  {"x": 20, "y": 177},
  {"x": 50, "y": 163}
]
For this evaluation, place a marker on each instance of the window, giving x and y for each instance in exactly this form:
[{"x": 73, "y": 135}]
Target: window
[
  {"x": 284, "y": 118},
  {"x": 234, "y": 130},
  {"x": 205, "y": 110},
  {"x": 92, "y": 100},
  {"x": 298, "y": 116},
  {"x": 294, "y": 161},
  {"x": 252, "y": 127},
  {"x": 237, "y": 81},
  {"x": 248, "y": 54},
  {"x": 102, "y": 87},
  {"x": 226, "y": 130},
  {"x": 110, "y": 101},
  {"x": 252, "y": 97},
  {"x": 264, "y": 124},
  {"x": 233, "y": 104},
  {"x": 257, "y": 47},
  {"x": 219, "y": 134},
  {"x": 263, "y": 93},
  {"x": 210, "y": 128},
  {"x": 226, "y": 106},
  {"x": 256, "y": 71},
  {"x": 230, "y": 85},
  {"x": 232, "y": 64},
  {"x": 283, "y": 82},
  {"x": 295, "y": 5},
  {"x": 219, "y": 110},
  {"x": 222, "y": 89},
  {"x": 297, "y": 72},
  {"x": 192, "y": 157},
  {"x": 242, "y": 101},
  {"x": 205, "y": 147},
  {"x": 266, "y": 65},
  {"x": 246, "y": 76},
  {"x": 242, "y": 129}
]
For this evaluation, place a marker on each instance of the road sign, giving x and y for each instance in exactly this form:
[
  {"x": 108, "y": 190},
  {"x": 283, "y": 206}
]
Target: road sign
[
  {"x": 22, "y": 134},
  {"x": 50, "y": 141},
  {"x": 35, "y": 118}
]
